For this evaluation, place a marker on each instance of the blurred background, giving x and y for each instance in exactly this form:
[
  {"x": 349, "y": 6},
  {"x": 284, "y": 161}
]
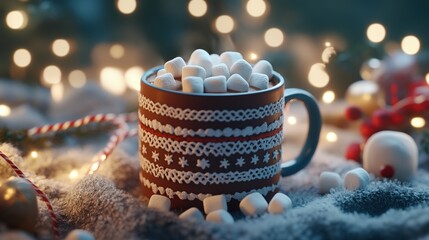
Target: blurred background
[{"x": 322, "y": 46}]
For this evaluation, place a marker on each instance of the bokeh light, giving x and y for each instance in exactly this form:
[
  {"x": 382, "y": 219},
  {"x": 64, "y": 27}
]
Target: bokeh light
[
  {"x": 317, "y": 75},
  {"x": 224, "y": 24},
  {"x": 253, "y": 56},
  {"x": 112, "y": 79},
  {"x": 291, "y": 120},
  {"x": 61, "y": 47},
  {"x": 57, "y": 92},
  {"x": 328, "y": 96},
  {"x": 418, "y": 122},
  {"x": 256, "y": 8},
  {"x": 51, "y": 75},
  {"x": 274, "y": 37},
  {"x": 34, "y": 154},
  {"x": 133, "y": 76},
  {"x": 4, "y": 110},
  {"x": 376, "y": 32},
  {"x": 427, "y": 78},
  {"x": 410, "y": 45},
  {"x": 331, "y": 137},
  {"x": 22, "y": 57},
  {"x": 73, "y": 174},
  {"x": 77, "y": 78},
  {"x": 117, "y": 51},
  {"x": 197, "y": 8},
  {"x": 17, "y": 19},
  {"x": 126, "y": 6}
]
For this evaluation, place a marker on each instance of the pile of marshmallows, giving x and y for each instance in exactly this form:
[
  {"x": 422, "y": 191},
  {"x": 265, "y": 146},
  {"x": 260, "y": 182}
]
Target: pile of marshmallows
[
  {"x": 216, "y": 209},
  {"x": 205, "y": 73},
  {"x": 355, "y": 179}
]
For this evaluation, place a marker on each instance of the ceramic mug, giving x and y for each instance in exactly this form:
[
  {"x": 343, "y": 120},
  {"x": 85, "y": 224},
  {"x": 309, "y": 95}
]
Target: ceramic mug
[{"x": 194, "y": 145}]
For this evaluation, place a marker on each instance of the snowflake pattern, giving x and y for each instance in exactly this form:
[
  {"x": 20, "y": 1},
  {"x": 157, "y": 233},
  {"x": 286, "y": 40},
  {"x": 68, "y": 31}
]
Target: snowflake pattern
[
  {"x": 255, "y": 159},
  {"x": 144, "y": 150},
  {"x": 276, "y": 154},
  {"x": 183, "y": 162},
  {"x": 224, "y": 163},
  {"x": 266, "y": 157},
  {"x": 203, "y": 163},
  {"x": 155, "y": 156},
  {"x": 168, "y": 158},
  {"x": 240, "y": 162}
]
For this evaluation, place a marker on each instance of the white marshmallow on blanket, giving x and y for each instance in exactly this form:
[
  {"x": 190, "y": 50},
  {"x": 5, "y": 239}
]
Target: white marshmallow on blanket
[
  {"x": 221, "y": 69},
  {"x": 219, "y": 216},
  {"x": 193, "y": 84},
  {"x": 243, "y": 68},
  {"x": 264, "y": 67},
  {"x": 279, "y": 204},
  {"x": 193, "y": 70},
  {"x": 356, "y": 179},
  {"x": 174, "y": 66},
  {"x": 193, "y": 214},
  {"x": 328, "y": 181},
  {"x": 159, "y": 202},
  {"x": 229, "y": 58},
  {"x": 215, "y": 58},
  {"x": 215, "y": 202},
  {"x": 237, "y": 83},
  {"x": 259, "y": 81},
  {"x": 201, "y": 58},
  {"x": 253, "y": 204},
  {"x": 166, "y": 81},
  {"x": 215, "y": 84}
]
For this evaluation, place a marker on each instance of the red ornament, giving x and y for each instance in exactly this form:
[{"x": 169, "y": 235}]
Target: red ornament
[
  {"x": 381, "y": 118},
  {"x": 367, "y": 129},
  {"x": 353, "y": 152},
  {"x": 387, "y": 171},
  {"x": 353, "y": 113}
]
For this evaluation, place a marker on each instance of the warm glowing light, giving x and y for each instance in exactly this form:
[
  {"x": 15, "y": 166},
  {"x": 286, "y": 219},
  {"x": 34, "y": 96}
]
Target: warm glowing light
[
  {"x": 253, "y": 56},
  {"x": 291, "y": 120},
  {"x": 61, "y": 47},
  {"x": 418, "y": 122},
  {"x": 410, "y": 45},
  {"x": 367, "y": 69},
  {"x": 57, "y": 92},
  {"x": 126, "y": 6},
  {"x": 328, "y": 97},
  {"x": 73, "y": 174},
  {"x": 331, "y": 137},
  {"x": 34, "y": 154},
  {"x": 94, "y": 167},
  {"x": 327, "y": 44},
  {"x": 376, "y": 32},
  {"x": 112, "y": 79},
  {"x": 224, "y": 24},
  {"x": 117, "y": 51},
  {"x": 274, "y": 37},
  {"x": 4, "y": 110},
  {"x": 317, "y": 75},
  {"x": 22, "y": 57},
  {"x": 256, "y": 8},
  {"x": 51, "y": 75},
  {"x": 9, "y": 193},
  {"x": 197, "y": 8},
  {"x": 77, "y": 78},
  {"x": 133, "y": 76},
  {"x": 427, "y": 78},
  {"x": 327, "y": 53},
  {"x": 17, "y": 19}
]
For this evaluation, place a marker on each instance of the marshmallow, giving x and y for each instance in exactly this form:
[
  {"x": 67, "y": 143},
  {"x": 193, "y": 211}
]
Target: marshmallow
[
  {"x": 166, "y": 81},
  {"x": 356, "y": 179},
  {"x": 201, "y": 58},
  {"x": 193, "y": 70},
  {"x": 259, "y": 81},
  {"x": 215, "y": 59},
  {"x": 215, "y": 202},
  {"x": 221, "y": 69},
  {"x": 193, "y": 214},
  {"x": 193, "y": 85},
  {"x": 229, "y": 58},
  {"x": 279, "y": 204},
  {"x": 219, "y": 216},
  {"x": 174, "y": 66},
  {"x": 253, "y": 204},
  {"x": 391, "y": 154},
  {"x": 264, "y": 67},
  {"x": 328, "y": 181},
  {"x": 215, "y": 84},
  {"x": 241, "y": 67},
  {"x": 161, "y": 72},
  {"x": 159, "y": 202},
  {"x": 79, "y": 234},
  {"x": 237, "y": 83}
]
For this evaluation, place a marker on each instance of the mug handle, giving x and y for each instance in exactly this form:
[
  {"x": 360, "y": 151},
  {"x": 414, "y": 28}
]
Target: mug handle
[{"x": 315, "y": 123}]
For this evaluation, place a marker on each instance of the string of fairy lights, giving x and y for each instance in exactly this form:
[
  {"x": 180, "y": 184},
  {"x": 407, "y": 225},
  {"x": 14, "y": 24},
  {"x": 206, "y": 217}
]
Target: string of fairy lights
[{"x": 119, "y": 80}]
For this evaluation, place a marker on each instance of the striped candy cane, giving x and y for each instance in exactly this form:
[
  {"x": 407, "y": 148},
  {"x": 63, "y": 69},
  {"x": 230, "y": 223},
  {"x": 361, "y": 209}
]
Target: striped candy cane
[{"x": 39, "y": 192}]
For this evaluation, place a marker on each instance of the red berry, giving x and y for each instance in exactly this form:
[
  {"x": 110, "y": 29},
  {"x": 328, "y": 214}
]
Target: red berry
[
  {"x": 387, "y": 171},
  {"x": 397, "y": 119},
  {"x": 353, "y": 113},
  {"x": 367, "y": 129},
  {"x": 381, "y": 118},
  {"x": 353, "y": 152}
]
